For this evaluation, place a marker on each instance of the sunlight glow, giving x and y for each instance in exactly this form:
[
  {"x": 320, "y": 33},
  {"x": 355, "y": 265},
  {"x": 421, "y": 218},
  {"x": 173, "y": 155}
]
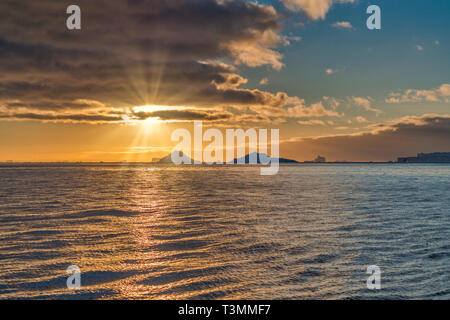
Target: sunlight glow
[{"x": 147, "y": 129}]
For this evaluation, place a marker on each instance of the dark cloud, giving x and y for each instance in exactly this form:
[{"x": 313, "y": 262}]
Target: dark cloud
[
  {"x": 131, "y": 53},
  {"x": 118, "y": 116},
  {"x": 183, "y": 115},
  {"x": 406, "y": 137},
  {"x": 52, "y": 105},
  {"x": 184, "y": 30},
  {"x": 94, "y": 118}
]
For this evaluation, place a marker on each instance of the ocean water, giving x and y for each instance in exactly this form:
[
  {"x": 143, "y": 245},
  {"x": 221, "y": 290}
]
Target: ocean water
[{"x": 166, "y": 232}]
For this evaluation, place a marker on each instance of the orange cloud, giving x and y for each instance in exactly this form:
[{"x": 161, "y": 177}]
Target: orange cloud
[
  {"x": 314, "y": 9},
  {"x": 406, "y": 136},
  {"x": 441, "y": 94}
]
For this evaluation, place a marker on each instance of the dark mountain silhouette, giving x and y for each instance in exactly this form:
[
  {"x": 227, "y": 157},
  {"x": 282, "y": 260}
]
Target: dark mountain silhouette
[
  {"x": 261, "y": 158},
  {"x": 436, "y": 157},
  {"x": 168, "y": 158}
]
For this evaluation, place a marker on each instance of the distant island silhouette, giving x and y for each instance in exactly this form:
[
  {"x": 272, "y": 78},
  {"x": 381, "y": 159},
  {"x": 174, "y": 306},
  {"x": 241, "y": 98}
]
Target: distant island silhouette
[
  {"x": 435, "y": 157},
  {"x": 261, "y": 158},
  {"x": 168, "y": 158}
]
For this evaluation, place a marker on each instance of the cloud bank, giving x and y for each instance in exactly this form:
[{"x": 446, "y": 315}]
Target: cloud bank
[
  {"x": 441, "y": 94},
  {"x": 138, "y": 52},
  {"x": 405, "y": 137}
]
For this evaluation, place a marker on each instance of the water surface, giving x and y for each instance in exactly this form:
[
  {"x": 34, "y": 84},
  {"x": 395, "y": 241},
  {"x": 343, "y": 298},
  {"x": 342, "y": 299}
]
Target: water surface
[{"x": 166, "y": 232}]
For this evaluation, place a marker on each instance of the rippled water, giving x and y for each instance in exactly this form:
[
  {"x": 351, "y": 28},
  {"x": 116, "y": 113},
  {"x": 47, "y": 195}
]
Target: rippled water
[{"x": 161, "y": 232}]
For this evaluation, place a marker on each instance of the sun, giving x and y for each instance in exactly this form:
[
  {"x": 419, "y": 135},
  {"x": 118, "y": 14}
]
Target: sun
[{"x": 147, "y": 129}]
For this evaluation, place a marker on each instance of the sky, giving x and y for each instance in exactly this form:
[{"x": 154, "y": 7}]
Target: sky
[{"x": 139, "y": 69}]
